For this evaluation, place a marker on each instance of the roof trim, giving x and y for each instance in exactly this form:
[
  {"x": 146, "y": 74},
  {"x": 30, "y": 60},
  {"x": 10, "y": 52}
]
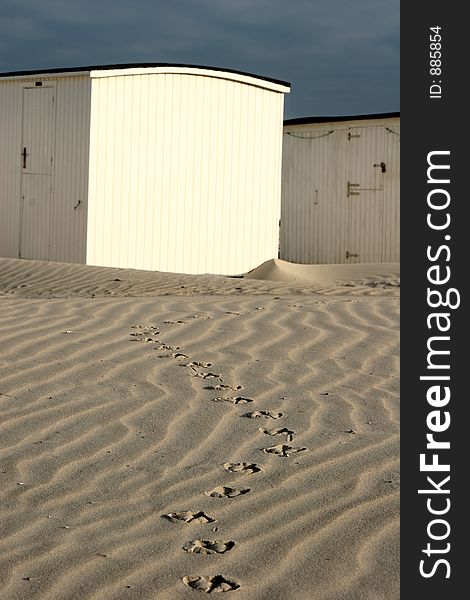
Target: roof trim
[
  {"x": 122, "y": 66},
  {"x": 194, "y": 71},
  {"x": 307, "y": 120}
]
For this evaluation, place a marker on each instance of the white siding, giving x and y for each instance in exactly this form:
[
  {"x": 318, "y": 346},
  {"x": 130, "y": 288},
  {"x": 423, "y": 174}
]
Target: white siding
[
  {"x": 63, "y": 231},
  {"x": 10, "y": 165},
  {"x": 185, "y": 172},
  {"x": 70, "y": 176},
  {"x": 391, "y": 214},
  {"x": 321, "y": 222}
]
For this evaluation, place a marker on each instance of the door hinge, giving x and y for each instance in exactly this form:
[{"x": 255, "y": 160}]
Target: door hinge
[
  {"x": 354, "y": 189},
  {"x": 353, "y": 135},
  {"x": 351, "y": 191},
  {"x": 351, "y": 254}
]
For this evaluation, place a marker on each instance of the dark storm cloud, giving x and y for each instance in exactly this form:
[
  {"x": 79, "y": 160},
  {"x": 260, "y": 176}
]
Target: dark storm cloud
[{"x": 341, "y": 57}]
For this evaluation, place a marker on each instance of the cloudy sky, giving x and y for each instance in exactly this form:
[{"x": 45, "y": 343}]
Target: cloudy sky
[{"x": 341, "y": 56}]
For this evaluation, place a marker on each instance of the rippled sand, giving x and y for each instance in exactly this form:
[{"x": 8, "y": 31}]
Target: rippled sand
[{"x": 128, "y": 395}]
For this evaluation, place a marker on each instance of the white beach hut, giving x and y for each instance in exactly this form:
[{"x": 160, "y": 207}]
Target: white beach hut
[
  {"x": 341, "y": 189},
  {"x": 155, "y": 166}
]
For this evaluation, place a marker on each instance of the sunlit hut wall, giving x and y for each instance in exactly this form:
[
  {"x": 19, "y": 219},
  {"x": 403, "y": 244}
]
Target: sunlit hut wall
[
  {"x": 341, "y": 189},
  {"x": 161, "y": 167}
]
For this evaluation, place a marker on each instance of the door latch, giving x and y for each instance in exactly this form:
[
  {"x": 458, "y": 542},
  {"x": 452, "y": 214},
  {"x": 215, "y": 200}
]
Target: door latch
[
  {"x": 23, "y": 154},
  {"x": 382, "y": 166}
]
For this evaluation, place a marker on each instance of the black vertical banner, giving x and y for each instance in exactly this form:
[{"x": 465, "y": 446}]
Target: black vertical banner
[{"x": 435, "y": 243}]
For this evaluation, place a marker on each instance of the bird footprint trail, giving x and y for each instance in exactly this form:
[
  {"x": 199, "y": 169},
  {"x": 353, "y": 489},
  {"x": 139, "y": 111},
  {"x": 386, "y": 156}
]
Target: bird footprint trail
[
  {"x": 188, "y": 516},
  {"x": 282, "y": 450},
  {"x": 242, "y": 467},
  {"x": 215, "y": 583},
  {"x": 208, "y": 546},
  {"x": 226, "y": 492},
  {"x": 210, "y": 583}
]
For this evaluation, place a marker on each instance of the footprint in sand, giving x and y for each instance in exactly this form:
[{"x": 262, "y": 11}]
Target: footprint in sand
[
  {"x": 199, "y": 316},
  {"x": 210, "y": 583},
  {"x": 282, "y": 450},
  {"x": 226, "y": 492},
  {"x": 188, "y": 516},
  {"x": 196, "y": 364},
  {"x": 242, "y": 467},
  {"x": 145, "y": 330},
  {"x": 176, "y": 322},
  {"x": 266, "y": 414},
  {"x": 140, "y": 336},
  {"x": 224, "y": 386},
  {"x": 208, "y": 547},
  {"x": 174, "y": 355},
  {"x": 167, "y": 347},
  {"x": 233, "y": 400},
  {"x": 203, "y": 375},
  {"x": 283, "y": 431}
]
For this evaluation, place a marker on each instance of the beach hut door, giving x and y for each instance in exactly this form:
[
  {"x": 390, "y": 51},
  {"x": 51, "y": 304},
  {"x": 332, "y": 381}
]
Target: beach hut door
[
  {"x": 364, "y": 192},
  {"x": 36, "y": 163}
]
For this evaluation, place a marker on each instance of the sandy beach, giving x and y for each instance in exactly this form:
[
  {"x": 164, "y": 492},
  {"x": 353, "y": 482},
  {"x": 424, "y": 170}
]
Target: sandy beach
[{"x": 165, "y": 435}]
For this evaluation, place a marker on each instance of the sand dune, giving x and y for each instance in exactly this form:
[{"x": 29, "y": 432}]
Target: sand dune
[
  {"x": 117, "y": 410},
  {"x": 369, "y": 274}
]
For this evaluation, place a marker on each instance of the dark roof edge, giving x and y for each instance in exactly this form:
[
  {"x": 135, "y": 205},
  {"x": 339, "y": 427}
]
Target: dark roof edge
[
  {"x": 307, "y": 120},
  {"x": 137, "y": 66}
]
